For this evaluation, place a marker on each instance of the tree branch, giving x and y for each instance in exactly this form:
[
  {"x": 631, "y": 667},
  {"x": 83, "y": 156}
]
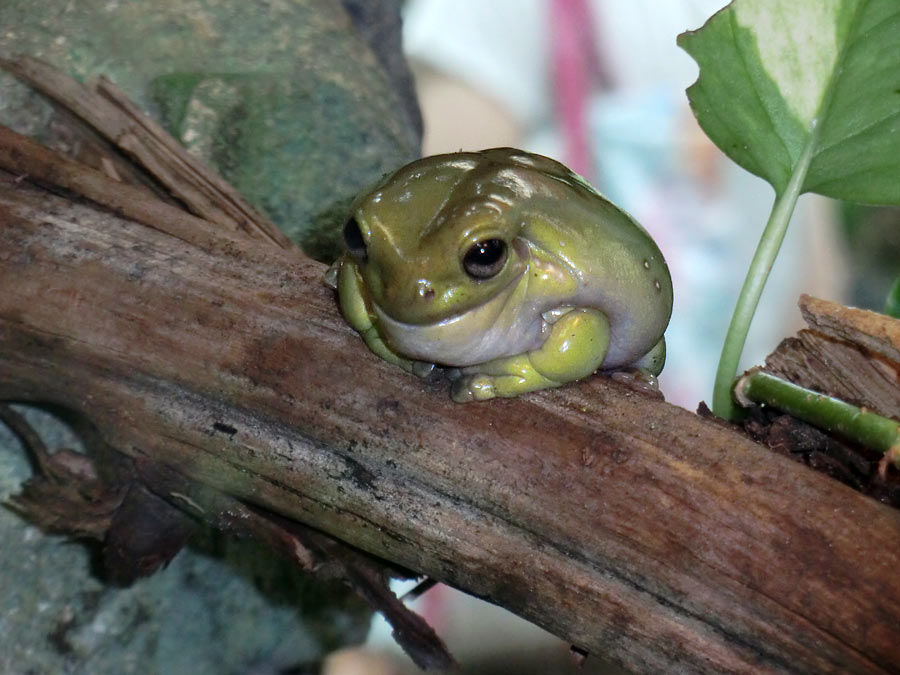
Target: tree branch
[
  {"x": 625, "y": 525},
  {"x": 219, "y": 363}
]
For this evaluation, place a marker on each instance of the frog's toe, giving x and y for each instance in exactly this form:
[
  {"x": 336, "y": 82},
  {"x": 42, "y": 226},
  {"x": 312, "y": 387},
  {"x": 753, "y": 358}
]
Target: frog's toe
[
  {"x": 473, "y": 388},
  {"x": 654, "y": 360},
  {"x": 421, "y": 368},
  {"x": 638, "y": 379}
]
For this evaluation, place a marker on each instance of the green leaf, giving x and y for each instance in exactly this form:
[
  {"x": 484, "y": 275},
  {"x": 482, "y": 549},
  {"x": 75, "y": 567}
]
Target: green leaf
[
  {"x": 812, "y": 86},
  {"x": 806, "y": 94}
]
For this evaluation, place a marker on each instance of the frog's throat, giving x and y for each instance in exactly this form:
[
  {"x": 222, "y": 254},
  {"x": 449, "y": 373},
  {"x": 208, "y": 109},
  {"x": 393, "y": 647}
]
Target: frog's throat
[{"x": 500, "y": 327}]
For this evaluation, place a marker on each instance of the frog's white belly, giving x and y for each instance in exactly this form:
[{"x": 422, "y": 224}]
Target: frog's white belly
[
  {"x": 512, "y": 323},
  {"x": 509, "y": 324},
  {"x": 451, "y": 343}
]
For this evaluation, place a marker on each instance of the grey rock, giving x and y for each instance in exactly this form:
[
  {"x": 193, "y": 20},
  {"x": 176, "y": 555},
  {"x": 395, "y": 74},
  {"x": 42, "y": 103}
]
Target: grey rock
[
  {"x": 285, "y": 99},
  {"x": 221, "y": 607}
]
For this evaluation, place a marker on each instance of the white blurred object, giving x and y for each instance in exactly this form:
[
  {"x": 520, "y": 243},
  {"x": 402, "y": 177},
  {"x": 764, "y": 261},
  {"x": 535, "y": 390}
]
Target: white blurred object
[{"x": 649, "y": 157}]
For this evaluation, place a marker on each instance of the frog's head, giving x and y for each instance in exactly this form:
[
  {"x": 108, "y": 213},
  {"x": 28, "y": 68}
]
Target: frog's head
[{"x": 438, "y": 238}]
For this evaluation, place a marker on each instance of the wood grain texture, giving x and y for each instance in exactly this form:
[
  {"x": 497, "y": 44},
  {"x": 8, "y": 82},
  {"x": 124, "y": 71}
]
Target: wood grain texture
[
  {"x": 850, "y": 353},
  {"x": 878, "y": 333},
  {"x": 627, "y": 526}
]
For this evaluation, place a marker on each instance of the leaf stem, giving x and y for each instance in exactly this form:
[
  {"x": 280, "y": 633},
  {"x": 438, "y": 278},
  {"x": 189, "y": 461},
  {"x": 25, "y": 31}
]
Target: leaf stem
[
  {"x": 757, "y": 274},
  {"x": 835, "y": 416}
]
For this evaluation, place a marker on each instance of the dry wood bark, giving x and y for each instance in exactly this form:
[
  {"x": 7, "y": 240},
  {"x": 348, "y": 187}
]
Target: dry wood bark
[
  {"x": 850, "y": 353},
  {"x": 126, "y": 509},
  {"x": 628, "y": 526}
]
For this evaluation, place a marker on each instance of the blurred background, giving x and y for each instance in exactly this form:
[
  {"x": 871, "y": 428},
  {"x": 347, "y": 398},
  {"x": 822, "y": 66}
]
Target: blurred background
[{"x": 600, "y": 85}]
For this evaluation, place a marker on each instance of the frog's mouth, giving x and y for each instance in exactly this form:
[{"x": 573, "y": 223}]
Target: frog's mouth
[{"x": 504, "y": 325}]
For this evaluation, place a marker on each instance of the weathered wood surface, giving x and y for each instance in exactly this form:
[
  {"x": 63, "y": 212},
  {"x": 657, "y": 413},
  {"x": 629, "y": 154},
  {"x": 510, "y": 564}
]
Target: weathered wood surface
[
  {"x": 850, "y": 353},
  {"x": 628, "y": 526}
]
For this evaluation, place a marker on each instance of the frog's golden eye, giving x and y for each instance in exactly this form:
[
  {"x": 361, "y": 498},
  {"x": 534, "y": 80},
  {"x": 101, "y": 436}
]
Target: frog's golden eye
[
  {"x": 485, "y": 259},
  {"x": 353, "y": 238}
]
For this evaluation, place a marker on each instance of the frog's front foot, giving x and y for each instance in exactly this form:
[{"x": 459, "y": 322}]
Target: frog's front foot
[
  {"x": 574, "y": 349},
  {"x": 421, "y": 368},
  {"x": 479, "y": 387}
]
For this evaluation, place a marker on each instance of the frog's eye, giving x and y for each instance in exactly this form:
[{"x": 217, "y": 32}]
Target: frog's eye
[
  {"x": 485, "y": 259},
  {"x": 353, "y": 237}
]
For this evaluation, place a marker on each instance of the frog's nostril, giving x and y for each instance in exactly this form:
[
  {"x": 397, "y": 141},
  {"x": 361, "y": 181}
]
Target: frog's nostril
[{"x": 425, "y": 290}]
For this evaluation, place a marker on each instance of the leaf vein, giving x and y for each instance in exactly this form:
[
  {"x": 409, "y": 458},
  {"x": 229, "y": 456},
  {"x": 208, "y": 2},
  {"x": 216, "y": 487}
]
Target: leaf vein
[
  {"x": 870, "y": 29},
  {"x": 856, "y": 133},
  {"x": 836, "y": 178},
  {"x": 749, "y": 78}
]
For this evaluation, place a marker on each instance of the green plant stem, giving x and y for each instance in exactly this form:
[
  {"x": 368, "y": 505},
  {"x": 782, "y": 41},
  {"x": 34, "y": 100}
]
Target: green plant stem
[
  {"x": 825, "y": 412},
  {"x": 757, "y": 274}
]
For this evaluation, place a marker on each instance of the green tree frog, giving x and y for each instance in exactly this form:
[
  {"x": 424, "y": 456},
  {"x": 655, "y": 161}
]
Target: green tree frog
[{"x": 506, "y": 267}]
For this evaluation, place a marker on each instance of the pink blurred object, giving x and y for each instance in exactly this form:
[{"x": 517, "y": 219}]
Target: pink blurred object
[{"x": 576, "y": 71}]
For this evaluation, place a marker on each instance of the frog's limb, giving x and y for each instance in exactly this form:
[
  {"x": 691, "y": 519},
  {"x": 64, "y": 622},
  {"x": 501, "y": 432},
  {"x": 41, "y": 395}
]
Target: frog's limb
[
  {"x": 356, "y": 312},
  {"x": 577, "y": 344},
  {"x": 654, "y": 360},
  {"x": 641, "y": 375}
]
